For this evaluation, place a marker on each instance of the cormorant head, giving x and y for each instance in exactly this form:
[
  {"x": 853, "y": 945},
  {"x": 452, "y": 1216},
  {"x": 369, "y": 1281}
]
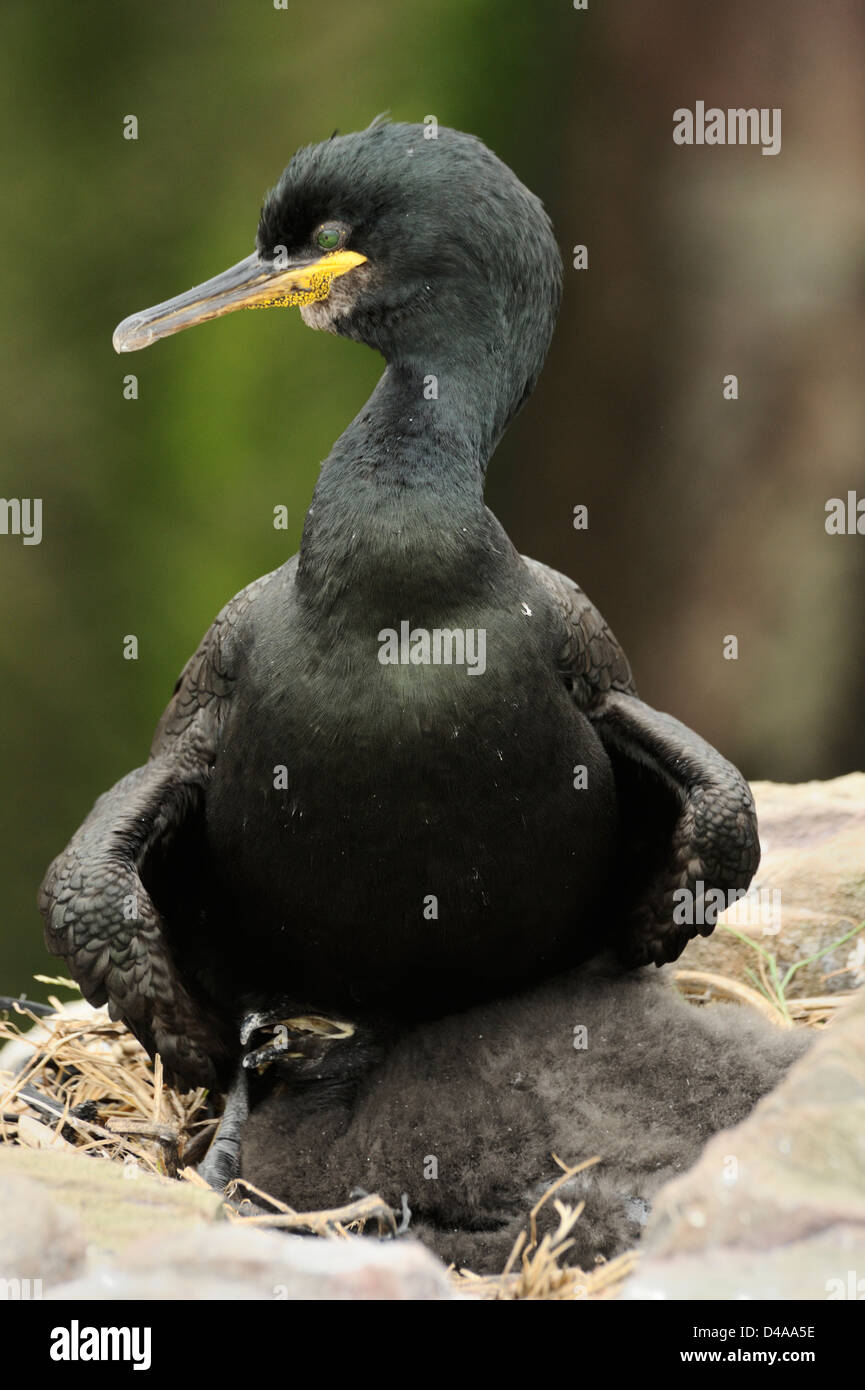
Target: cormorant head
[{"x": 428, "y": 249}]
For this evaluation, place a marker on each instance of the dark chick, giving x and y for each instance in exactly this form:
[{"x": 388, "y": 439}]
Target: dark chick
[{"x": 464, "y": 1114}]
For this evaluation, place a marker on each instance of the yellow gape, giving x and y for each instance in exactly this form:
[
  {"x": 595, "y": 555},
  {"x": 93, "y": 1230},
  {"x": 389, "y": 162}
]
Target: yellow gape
[{"x": 319, "y": 278}]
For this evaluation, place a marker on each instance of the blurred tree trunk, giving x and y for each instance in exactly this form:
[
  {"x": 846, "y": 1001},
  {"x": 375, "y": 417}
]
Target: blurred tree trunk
[{"x": 707, "y": 515}]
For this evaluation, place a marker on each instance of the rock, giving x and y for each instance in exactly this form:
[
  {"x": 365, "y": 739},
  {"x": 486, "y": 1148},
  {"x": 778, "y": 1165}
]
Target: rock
[
  {"x": 112, "y": 1204},
  {"x": 819, "y": 1267},
  {"x": 778, "y": 1202},
  {"x": 86, "y": 1230},
  {"x": 39, "y": 1240},
  {"x": 813, "y": 842},
  {"x": 233, "y": 1262}
]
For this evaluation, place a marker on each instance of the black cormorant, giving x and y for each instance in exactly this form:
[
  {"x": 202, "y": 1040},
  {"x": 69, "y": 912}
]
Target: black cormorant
[{"x": 409, "y": 769}]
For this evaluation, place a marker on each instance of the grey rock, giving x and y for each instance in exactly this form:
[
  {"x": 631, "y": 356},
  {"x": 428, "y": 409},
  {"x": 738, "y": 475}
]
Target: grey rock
[
  {"x": 778, "y": 1202},
  {"x": 39, "y": 1240},
  {"x": 829, "y": 1265},
  {"x": 812, "y": 837},
  {"x": 231, "y": 1262},
  {"x": 111, "y": 1204}
]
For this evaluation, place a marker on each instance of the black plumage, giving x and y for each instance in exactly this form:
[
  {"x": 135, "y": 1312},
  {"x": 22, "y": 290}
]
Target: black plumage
[
  {"x": 393, "y": 840},
  {"x": 464, "y": 1114}
]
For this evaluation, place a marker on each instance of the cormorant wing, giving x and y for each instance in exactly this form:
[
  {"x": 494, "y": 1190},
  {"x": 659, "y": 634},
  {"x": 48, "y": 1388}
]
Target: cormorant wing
[
  {"x": 99, "y": 916},
  {"x": 668, "y": 777}
]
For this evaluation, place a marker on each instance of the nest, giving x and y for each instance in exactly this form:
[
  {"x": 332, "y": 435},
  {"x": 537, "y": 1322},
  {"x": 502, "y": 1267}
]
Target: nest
[
  {"x": 89, "y": 1085},
  {"x": 85, "y": 1084}
]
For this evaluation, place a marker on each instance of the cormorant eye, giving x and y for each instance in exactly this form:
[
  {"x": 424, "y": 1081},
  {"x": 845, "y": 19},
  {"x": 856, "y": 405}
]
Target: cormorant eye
[{"x": 328, "y": 237}]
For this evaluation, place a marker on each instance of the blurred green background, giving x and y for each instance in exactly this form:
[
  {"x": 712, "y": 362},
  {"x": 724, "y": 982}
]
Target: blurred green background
[{"x": 706, "y": 516}]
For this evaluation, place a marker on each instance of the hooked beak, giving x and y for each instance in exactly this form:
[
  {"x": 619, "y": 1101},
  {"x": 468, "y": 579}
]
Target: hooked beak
[{"x": 253, "y": 283}]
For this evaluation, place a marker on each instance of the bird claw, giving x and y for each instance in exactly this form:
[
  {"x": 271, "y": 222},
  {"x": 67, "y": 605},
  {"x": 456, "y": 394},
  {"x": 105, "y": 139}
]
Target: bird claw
[{"x": 303, "y": 1037}]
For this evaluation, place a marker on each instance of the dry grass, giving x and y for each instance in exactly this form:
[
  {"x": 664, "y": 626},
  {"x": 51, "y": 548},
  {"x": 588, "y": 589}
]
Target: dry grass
[
  {"x": 705, "y": 987},
  {"x": 98, "y": 1092},
  {"x": 88, "y": 1085},
  {"x": 534, "y": 1269}
]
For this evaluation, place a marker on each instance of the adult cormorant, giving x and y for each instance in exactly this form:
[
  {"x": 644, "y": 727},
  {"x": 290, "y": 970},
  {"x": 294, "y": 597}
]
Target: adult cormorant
[{"x": 409, "y": 769}]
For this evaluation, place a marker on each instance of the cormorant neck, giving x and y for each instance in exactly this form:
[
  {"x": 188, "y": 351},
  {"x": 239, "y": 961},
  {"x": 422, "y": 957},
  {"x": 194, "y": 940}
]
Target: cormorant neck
[{"x": 399, "y": 503}]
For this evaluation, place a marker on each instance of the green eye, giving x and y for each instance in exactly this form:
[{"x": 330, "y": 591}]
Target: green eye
[{"x": 328, "y": 238}]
